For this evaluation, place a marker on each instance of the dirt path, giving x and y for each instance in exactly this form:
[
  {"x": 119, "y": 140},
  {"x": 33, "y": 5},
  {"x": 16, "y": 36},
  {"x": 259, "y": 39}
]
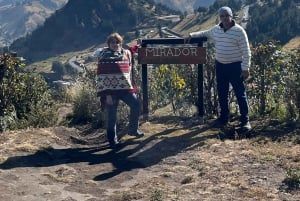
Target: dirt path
[{"x": 174, "y": 161}]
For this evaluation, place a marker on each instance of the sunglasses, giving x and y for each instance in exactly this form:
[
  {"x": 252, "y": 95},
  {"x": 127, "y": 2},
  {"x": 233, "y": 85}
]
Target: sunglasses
[
  {"x": 225, "y": 15},
  {"x": 115, "y": 42}
]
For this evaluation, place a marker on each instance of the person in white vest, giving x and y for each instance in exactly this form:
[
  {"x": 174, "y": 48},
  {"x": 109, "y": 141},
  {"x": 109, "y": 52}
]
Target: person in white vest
[{"x": 233, "y": 56}]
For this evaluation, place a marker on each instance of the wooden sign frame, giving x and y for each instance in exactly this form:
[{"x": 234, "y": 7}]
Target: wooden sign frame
[
  {"x": 172, "y": 55},
  {"x": 168, "y": 55}
]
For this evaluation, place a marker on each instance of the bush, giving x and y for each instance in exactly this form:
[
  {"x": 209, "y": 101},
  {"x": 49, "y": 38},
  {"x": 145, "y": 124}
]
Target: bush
[
  {"x": 25, "y": 99},
  {"x": 86, "y": 106},
  {"x": 274, "y": 85},
  {"x": 292, "y": 181}
]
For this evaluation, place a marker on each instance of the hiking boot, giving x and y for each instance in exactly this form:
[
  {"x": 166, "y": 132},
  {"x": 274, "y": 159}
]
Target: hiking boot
[
  {"x": 137, "y": 134},
  {"x": 246, "y": 126}
]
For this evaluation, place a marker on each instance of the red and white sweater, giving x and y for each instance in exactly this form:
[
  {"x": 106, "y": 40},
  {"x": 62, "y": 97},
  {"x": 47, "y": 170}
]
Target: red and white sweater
[{"x": 114, "y": 73}]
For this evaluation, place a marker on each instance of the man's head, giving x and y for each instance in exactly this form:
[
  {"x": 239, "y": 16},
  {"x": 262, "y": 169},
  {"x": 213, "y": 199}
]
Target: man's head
[
  {"x": 225, "y": 14},
  {"x": 225, "y": 11}
]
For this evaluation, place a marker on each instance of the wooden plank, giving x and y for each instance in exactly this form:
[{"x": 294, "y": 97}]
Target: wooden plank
[{"x": 172, "y": 55}]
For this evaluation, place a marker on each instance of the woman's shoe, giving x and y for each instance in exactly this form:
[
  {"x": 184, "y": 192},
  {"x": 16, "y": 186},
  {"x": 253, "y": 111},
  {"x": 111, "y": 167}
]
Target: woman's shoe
[
  {"x": 137, "y": 134},
  {"x": 115, "y": 146}
]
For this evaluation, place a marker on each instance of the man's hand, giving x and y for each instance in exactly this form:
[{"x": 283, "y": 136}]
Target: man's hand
[
  {"x": 187, "y": 39},
  {"x": 245, "y": 74},
  {"x": 139, "y": 41}
]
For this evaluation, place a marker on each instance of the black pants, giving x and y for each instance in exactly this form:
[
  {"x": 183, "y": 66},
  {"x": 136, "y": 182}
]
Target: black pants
[{"x": 231, "y": 74}]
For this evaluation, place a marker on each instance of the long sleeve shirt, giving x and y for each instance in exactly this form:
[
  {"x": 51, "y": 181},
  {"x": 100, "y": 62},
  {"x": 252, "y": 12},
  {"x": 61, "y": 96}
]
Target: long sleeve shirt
[{"x": 230, "y": 46}]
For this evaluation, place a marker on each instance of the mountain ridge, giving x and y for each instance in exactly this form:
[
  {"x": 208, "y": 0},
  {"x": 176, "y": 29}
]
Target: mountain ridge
[
  {"x": 80, "y": 24},
  {"x": 18, "y": 18},
  {"x": 73, "y": 28}
]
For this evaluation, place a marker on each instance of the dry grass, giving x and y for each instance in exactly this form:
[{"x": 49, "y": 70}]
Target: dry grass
[
  {"x": 293, "y": 44},
  {"x": 192, "y": 23}
]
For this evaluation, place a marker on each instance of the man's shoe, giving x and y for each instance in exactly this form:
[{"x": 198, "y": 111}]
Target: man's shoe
[
  {"x": 246, "y": 126},
  {"x": 137, "y": 134}
]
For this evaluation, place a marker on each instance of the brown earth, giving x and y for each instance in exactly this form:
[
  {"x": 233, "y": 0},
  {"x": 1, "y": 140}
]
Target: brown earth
[
  {"x": 293, "y": 44},
  {"x": 178, "y": 159}
]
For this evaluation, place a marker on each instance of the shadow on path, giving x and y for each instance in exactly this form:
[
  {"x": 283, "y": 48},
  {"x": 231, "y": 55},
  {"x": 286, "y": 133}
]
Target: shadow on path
[{"x": 131, "y": 156}]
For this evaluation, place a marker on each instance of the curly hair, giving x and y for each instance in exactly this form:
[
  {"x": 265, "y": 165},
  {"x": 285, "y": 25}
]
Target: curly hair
[{"x": 114, "y": 36}]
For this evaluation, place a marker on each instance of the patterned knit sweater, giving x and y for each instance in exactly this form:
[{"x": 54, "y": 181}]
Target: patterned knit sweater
[
  {"x": 114, "y": 73},
  {"x": 231, "y": 45}
]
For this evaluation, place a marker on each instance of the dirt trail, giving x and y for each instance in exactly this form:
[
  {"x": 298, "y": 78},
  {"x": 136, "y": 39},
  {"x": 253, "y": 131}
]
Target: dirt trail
[{"x": 174, "y": 161}]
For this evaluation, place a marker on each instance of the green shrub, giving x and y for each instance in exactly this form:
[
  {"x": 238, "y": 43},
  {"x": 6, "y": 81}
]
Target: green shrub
[
  {"x": 25, "y": 99},
  {"x": 274, "y": 85},
  {"x": 86, "y": 105},
  {"x": 292, "y": 181}
]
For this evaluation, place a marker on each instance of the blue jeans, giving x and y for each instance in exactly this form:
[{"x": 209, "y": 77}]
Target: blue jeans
[
  {"x": 133, "y": 102},
  {"x": 231, "y": 74}
]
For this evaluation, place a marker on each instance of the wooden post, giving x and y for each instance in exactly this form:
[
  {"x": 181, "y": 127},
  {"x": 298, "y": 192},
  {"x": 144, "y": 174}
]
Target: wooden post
[
  {"x": 145, "y": 91},
  {"x": 200, "y": 90}
]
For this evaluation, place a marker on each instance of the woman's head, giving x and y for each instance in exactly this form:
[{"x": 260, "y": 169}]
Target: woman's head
[{"x": 114, "y": 41}]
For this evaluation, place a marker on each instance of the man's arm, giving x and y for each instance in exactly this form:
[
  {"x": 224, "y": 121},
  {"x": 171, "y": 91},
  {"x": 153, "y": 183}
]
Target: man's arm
[
  {"x": 246, "y": 54},
  {"x": 198, "y": 34}
]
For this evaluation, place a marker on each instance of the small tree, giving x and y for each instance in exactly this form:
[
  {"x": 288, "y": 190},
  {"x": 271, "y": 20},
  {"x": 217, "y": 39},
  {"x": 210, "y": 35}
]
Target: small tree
[
  {"x": 274, "y": 86},
  {"x": 267, "y": 76},
  {"x": 22, "y": 95},
  {"x": 293, "y": 84},
  {"x": 86, "y": 105}
]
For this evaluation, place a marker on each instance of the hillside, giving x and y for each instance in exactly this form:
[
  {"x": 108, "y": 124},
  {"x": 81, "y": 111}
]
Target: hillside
[
  {"x": 82, "y": 24},
  {"x": 76, "y": 27},
  {"x": 195, "y": 22},
  {"x": 178, "y": 159},
  {"x": 263, "y": 25},
  {"x": 293, "y": 44},
  {"x": 186, "y": 5},
  {"x": 18, "y": 18}
]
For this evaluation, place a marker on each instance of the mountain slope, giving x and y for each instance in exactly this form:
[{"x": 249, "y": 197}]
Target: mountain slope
[
  {"x": 7, "y": 2},
  {"x": 186, "y": 5},
  {"x": 18, "y": 18},
  {"x": 80, "y": 24}
]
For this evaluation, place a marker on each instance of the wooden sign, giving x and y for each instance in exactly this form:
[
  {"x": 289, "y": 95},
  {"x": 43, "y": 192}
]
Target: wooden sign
[{"x": 172, "y": 55}]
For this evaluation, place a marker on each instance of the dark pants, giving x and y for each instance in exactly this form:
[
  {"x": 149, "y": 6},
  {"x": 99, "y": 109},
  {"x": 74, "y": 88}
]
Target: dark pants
[
  {"x": 231, "y": 74},
  {"x": 132, "y": 101}
]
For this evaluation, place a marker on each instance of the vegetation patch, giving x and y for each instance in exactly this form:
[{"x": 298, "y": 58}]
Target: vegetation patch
[{"x": 292, "y": 181}]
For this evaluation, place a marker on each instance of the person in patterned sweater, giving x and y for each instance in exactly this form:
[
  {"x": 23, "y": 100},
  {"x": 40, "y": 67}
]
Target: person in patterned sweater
[
  {"x": 233, "y": 56},
  {"x": 114, "y": 83}
]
